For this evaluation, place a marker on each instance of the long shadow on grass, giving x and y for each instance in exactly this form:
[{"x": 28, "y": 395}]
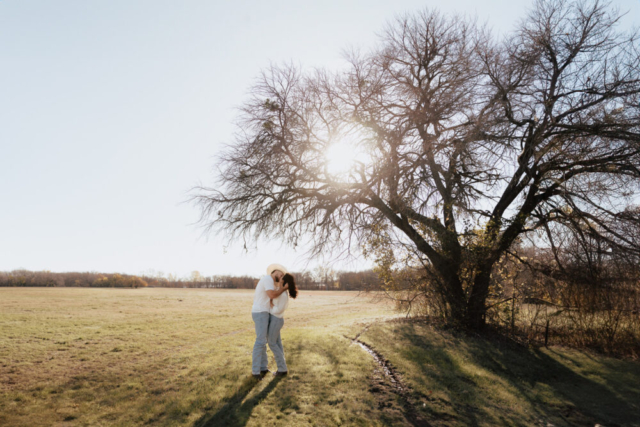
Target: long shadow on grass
[
  {"x": 236, "y": 412},
  {"x": 439, "y": 367},
  {"x": 579, "y": 400},
  {"x": 531, "y": 373}
]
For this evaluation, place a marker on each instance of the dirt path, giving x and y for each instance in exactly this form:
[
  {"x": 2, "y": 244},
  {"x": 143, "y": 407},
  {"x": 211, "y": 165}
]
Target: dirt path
[{"x": 386, "y": 382}]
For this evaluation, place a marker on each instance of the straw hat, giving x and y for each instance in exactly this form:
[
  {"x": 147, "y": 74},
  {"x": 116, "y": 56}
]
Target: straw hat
[{"x": 274, "y": 267}]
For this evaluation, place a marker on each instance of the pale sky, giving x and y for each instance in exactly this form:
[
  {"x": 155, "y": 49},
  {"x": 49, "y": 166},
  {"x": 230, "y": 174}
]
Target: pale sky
[{"x": 110, "y": 111}]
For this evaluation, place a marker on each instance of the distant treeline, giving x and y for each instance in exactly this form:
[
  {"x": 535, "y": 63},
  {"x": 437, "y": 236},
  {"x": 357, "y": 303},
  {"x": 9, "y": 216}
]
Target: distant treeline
[
  {"x": 319, "y": 279},
  {"x": 47, "y": 278}
]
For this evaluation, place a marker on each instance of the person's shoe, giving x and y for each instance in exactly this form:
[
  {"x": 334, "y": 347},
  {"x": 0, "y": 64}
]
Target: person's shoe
[
  {"x": 257, "y": 377},
  {"x": 263, "y": 373},
  {"x": 280, "y": 374}
]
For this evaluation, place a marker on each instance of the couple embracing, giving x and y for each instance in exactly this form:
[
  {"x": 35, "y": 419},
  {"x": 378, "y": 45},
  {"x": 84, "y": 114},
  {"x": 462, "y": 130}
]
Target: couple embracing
[{"x": 269, "y": 303}]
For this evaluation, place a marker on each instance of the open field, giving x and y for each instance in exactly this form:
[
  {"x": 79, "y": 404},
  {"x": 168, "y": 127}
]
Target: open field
[{"x": 77, "y": 356}]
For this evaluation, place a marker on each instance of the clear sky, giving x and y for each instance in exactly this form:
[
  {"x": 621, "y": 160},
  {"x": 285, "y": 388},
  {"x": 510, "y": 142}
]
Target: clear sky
[{"x": 110, "y": 111}]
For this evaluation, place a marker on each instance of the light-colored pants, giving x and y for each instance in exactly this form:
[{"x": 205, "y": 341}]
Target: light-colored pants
[
  {"x": 260, "y": 361},
  {"x": 275, "y": 342}
]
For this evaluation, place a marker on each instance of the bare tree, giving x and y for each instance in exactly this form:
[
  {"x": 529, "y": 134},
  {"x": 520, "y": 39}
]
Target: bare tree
[{"x": 469, "y": 145}]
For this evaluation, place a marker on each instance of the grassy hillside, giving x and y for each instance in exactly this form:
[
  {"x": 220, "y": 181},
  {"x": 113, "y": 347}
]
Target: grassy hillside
[
  {"x": 460, "y": 380},
  {"x": 182, "y": 357}
]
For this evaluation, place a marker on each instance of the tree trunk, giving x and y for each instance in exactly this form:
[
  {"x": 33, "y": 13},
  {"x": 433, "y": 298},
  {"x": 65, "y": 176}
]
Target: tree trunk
[
  {"x": 453, "y": 292},
  {"x": 456, "y": 300},
  {"x": 476, "y": 305}
]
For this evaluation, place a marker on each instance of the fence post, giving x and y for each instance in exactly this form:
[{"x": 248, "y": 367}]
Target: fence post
[
  {"x": 513, "y": 313},
  {"x": 546, "y": 334}
]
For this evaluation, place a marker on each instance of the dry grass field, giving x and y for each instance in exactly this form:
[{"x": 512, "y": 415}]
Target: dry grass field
[
  {"x": 78, "y": 356},
  {"x": 181, "y": 357},
  {"x": 460, "y": 380}
]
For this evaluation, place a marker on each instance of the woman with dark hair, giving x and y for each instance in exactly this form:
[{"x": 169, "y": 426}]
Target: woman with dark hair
[{"x": 276, "y": 322}]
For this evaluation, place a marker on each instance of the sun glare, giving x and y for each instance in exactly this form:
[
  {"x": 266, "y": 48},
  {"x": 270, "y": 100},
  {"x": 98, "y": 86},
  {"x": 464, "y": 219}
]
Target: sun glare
[{"x": 341, "y": 157}]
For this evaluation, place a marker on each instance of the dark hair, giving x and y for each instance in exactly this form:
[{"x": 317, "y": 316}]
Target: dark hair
[{"x": 289, "y": 280}]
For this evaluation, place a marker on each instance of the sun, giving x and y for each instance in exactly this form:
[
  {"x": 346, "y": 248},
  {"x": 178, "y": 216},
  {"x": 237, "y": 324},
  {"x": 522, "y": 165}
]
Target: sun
[{"x": 342, "y": 156}]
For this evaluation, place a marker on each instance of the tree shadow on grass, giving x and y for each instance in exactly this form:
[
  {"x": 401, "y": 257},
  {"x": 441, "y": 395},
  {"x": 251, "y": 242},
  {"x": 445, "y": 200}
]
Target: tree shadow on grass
[
  {"x": 236, "y": 412},
  {"x": 576, "y": 399},
  {"x": 553, "y": 391},
  {"x": 437, "y": 366}
]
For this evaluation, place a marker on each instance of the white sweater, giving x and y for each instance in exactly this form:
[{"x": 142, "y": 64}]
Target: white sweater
[{"x": 280, "y": 304}]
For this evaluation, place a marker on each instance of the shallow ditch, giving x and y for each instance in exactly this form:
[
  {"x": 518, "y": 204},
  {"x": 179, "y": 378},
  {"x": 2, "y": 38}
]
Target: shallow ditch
[{"x": 386, "y": 380}]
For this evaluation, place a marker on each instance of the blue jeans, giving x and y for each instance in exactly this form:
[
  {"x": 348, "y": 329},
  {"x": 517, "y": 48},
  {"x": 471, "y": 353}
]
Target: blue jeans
[
  {"x": 260, "y": 361},
  {"x": 275, "y": 342}
]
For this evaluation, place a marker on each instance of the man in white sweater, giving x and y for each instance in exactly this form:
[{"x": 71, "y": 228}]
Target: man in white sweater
[{"x": 265, "y": 291}]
